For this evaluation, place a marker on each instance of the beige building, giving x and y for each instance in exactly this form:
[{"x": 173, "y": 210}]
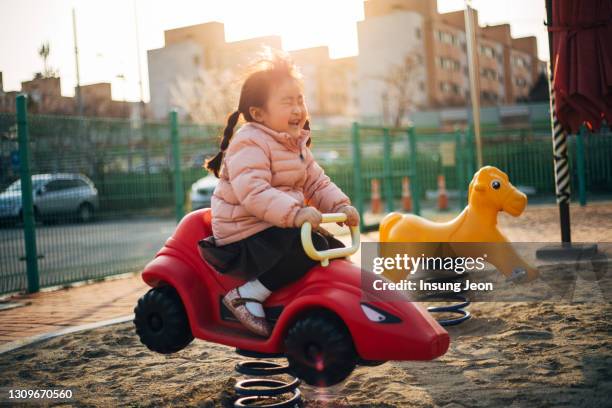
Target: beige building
[
  {"x": 330, "y": 84},
  {"x": 188, "y": 50}
]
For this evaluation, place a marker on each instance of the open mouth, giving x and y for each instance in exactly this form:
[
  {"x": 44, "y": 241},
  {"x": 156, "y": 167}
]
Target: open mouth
[{"x": 294, "y": 122}]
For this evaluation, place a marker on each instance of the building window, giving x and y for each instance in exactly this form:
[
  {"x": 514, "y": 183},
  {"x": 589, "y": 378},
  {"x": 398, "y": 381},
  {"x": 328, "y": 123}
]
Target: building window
[
  {"x": 521, "y": 62},
  {"x": 488, "y": 73},
  {"x": 488, "y": 96},
  {"x": 448, "y": 64},
  {"x": 447, "y": 38},
  {"x": 487, "y": 51},
  {"x": 450, "y": 87},
  {"x": 520, "y": 82}
]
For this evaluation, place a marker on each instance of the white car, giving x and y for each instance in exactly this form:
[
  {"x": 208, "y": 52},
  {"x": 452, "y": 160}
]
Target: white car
[
  {"x": 202, "y": 191},
  {"x": 58, "y": 194}
]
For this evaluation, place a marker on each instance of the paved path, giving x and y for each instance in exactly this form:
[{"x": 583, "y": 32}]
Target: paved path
[
  {"x": 51, "y": 311},
  {"x": 45, "y": 312}
]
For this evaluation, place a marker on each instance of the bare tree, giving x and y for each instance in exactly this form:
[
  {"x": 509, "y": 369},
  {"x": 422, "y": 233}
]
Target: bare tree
[
  {"x": 401, "y": 86},
  {"x": 208, "y": 98}
]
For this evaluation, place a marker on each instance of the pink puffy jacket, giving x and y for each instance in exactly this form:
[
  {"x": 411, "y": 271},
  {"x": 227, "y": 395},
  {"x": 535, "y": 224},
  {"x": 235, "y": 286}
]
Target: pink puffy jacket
[{"x": 266, "y": 177}]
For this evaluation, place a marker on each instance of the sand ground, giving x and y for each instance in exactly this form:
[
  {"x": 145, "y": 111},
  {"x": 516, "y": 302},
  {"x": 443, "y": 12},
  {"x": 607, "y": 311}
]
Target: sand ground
[{"x": 538, "y": 354}]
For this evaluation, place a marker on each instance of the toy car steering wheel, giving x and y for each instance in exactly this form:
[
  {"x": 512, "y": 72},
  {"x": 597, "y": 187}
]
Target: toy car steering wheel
[{"x": 325, "y": 256}]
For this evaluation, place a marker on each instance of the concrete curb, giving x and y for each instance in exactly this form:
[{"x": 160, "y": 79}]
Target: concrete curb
[{"x": 14, "y": 345}]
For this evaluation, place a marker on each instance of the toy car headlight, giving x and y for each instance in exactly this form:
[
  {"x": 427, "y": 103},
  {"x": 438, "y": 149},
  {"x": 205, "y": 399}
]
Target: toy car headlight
[{"x": 375, "y": 314}]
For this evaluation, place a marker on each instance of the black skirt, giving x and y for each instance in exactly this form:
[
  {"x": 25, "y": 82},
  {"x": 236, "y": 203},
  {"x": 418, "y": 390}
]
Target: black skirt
[{"x": 255, "y": 255}]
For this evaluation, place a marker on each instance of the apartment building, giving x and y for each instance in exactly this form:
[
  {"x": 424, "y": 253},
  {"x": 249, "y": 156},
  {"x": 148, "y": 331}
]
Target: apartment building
[
  {"x": 397, "y": 39},
  {"x": 507, "y": 67}
]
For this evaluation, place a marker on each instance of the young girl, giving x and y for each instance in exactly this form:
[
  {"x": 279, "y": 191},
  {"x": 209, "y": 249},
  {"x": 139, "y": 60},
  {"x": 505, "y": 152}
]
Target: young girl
[{"x": 269, "y": 186}]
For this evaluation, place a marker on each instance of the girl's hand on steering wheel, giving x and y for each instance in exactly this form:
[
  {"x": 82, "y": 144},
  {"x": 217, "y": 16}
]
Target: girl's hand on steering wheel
[
  {"x": 352, "y": 216},
  {"x": 308, "y": 214}
]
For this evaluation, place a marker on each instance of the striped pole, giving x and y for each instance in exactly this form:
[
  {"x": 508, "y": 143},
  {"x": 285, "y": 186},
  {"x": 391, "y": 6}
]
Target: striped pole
[{"x": 561, "y": 164}]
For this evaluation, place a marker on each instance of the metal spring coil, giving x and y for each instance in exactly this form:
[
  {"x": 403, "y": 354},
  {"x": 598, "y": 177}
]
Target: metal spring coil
[
  {"x": 457, "y": 308},
  {"x": 255, "y": 390}
]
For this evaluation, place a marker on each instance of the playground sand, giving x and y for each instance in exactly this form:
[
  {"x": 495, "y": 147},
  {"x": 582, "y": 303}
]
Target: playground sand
[
  {"x": 509, "y": 354},
  {"x": 527, "y": 354},
  {"x": 592, "y": 223}
]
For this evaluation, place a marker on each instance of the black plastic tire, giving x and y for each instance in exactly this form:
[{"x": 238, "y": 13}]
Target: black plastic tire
[
  {"x": 85, "y": 213},
  {"x": 161, "y": 321},
  {"x": 320, "y": 349},
  {"x": 370, "y": 363}
]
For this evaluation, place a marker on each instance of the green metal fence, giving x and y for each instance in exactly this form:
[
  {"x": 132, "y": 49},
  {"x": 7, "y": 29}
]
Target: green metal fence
[
  {"x": 524, "y": 153},
  {"x": 74, "y": 235},
  {"x": 142, "y": 190}
]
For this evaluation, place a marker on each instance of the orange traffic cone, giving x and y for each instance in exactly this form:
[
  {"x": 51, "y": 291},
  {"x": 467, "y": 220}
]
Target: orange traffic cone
[
  {"x": 442, "y": 195},
  {"x": 375, "y": 200},
  {"x": 406, "y": 198}
]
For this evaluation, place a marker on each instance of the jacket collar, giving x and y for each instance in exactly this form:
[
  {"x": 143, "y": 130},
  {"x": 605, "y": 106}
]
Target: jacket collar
[{"x": 286, "y": 139}]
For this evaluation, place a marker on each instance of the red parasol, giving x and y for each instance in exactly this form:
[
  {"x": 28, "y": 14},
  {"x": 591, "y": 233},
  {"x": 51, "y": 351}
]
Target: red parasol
[{"x": 582, "y": 55}]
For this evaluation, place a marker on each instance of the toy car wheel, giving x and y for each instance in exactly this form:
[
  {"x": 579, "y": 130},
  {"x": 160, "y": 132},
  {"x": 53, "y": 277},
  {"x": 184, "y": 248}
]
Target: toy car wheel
[
  {"x": 320, "y": 349},
  {"x": 370, "y": 363},
  {"x": 161, "y": 321}
]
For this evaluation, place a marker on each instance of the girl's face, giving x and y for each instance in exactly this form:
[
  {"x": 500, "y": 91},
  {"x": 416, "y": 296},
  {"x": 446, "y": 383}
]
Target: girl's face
[{"x": 285, "y": 110}]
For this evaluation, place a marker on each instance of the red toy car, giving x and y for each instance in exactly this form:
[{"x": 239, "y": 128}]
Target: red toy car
[{"x": 321, "y": 322}]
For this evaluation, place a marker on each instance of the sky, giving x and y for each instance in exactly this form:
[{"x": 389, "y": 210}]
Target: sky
[{"x": 106, "y": 32}]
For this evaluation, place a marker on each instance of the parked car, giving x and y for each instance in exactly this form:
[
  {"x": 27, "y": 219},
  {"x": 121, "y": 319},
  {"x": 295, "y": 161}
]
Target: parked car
[
  {"x": 58, "y": 194},
  {"x": 326, "y": 156},
  {"x": 156, "y": 166},
  {"x": 202, "y": 191}
]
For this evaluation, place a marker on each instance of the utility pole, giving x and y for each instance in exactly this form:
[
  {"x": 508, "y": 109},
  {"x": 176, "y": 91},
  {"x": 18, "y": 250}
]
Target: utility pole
[
  {"x": 121, "y": 76},
  {"x": 141, "y": 104},
  {"x": 76, "y": 58},
  {"x": 141, "y": 110},
  {"x": 474, "y": 70}
]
